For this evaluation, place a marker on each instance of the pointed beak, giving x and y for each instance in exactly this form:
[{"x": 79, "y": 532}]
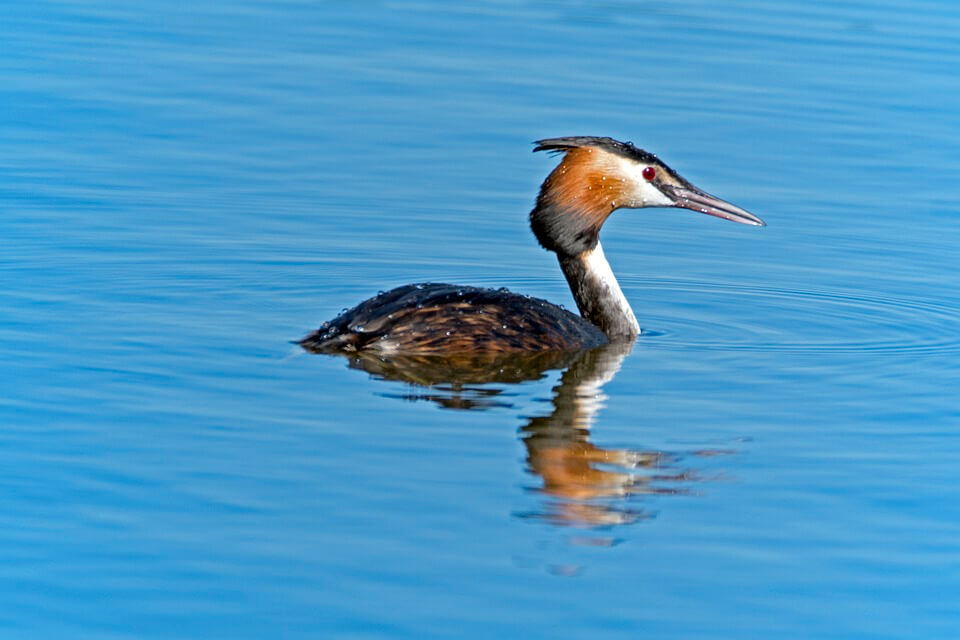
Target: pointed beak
[{"x": 689, "y": 197}]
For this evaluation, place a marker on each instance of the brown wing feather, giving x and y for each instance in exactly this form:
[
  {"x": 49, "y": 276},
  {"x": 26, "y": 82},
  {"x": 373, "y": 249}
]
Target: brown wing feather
[{"x": 444, "y": 318}]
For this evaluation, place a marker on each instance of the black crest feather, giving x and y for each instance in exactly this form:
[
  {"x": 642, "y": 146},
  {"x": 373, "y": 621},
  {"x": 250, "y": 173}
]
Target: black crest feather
[{"x": 625, "y": 149}]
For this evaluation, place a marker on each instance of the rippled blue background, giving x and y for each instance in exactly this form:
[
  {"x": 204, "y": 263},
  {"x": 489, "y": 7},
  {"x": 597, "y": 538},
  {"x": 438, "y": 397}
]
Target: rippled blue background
[{"x": 186, "y": 188}]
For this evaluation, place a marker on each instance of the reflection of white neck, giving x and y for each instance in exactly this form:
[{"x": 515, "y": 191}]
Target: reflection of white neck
[
  {"x": 598, "y": 294},
  {"x": 589, "y": 397}
]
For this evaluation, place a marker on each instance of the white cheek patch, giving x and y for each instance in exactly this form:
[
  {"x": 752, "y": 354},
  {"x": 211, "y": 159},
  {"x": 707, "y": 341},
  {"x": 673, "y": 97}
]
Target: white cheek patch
[
  {"x": 651, "y": 196},
  {"x": 642, "y": 192}
]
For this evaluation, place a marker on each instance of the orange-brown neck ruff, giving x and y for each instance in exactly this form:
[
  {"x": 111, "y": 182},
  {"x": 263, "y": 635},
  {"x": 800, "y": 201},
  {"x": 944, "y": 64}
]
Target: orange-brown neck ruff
[{"x": 576, "y": 199}]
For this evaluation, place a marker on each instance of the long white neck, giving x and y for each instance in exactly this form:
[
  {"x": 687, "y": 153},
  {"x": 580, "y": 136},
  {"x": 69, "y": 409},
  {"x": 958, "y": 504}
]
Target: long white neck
[{"x": 598, "y": 294}]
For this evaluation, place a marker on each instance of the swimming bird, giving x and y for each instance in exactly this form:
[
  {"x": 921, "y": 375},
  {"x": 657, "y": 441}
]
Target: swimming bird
[{"x": 596, "y": 176}]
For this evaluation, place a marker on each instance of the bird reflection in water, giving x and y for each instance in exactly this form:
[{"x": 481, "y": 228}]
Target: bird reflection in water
[{"x": 584, "y": 484}]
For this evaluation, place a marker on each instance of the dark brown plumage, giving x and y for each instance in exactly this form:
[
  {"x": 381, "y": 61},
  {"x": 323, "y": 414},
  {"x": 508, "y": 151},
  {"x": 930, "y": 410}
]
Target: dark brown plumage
[{"x": 446, "y": 318}]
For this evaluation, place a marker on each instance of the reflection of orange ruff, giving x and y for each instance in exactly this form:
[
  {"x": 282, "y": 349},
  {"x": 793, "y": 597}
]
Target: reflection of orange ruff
[{"x": 569, "y": 471}]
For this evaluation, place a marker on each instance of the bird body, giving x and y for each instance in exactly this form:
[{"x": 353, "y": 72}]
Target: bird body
[
  {"x": 460, "y": 319},
  {"x": 596, "y": 177}
]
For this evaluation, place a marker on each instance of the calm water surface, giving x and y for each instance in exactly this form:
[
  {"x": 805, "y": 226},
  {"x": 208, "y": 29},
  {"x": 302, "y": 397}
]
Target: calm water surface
[{"x": 184, "y": 192}]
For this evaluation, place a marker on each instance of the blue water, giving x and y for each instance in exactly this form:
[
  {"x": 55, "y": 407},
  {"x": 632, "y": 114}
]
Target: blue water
[{"x": 185, "y": 189}]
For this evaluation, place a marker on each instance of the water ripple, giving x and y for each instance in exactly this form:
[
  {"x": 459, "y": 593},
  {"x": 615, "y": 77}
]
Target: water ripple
[{"x": 703, "y": 315}]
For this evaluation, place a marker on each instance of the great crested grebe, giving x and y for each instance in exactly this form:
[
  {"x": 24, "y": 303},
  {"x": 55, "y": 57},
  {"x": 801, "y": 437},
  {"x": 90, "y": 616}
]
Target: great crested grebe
[{"x": 596, "y": 177}]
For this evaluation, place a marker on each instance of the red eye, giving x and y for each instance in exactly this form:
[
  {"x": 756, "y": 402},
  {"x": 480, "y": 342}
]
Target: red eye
[{"x": 649, "y": 173}]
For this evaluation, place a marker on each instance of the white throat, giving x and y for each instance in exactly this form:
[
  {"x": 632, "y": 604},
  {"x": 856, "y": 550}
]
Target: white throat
[{"x": 598, "y": 294}]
